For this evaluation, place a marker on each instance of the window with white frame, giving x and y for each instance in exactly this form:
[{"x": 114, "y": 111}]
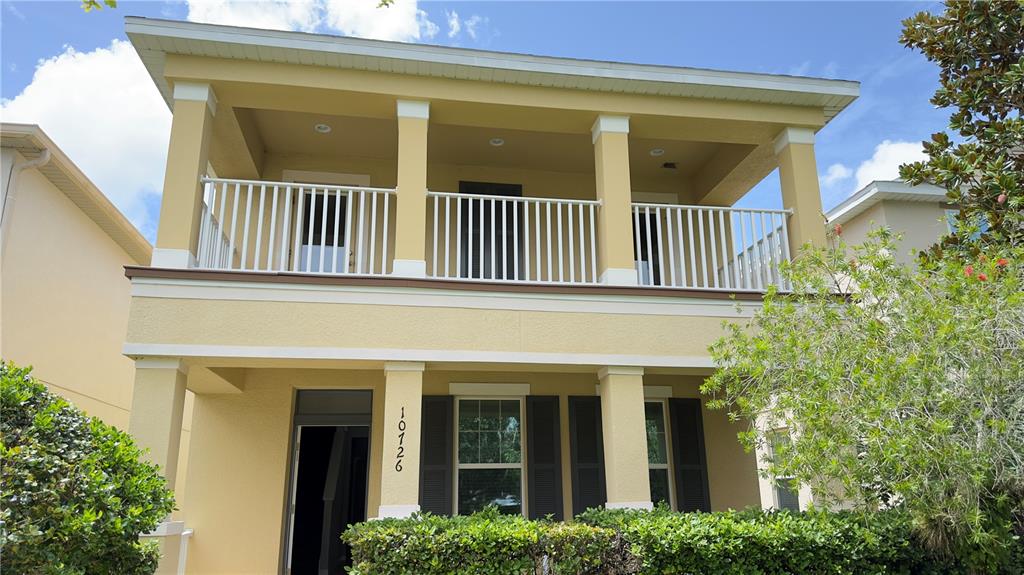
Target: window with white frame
[
  {"x": 786, "y": 494},
  {"x": 657, "y": 452},
  {"x": 489, "y": 455}
]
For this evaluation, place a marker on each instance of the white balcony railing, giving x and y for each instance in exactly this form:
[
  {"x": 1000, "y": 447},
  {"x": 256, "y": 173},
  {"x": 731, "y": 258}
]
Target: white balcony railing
[
  {"x": 505, "y": 238},
  {"x": 251, "y": 225},
  {"x": 709, "y": 247}
]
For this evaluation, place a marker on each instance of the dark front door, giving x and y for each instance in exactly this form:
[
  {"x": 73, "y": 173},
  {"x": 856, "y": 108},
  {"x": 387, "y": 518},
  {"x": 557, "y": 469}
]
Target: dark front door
[
  {"x": 488, "y": 238},
  {"x": 329, "y": 479}
]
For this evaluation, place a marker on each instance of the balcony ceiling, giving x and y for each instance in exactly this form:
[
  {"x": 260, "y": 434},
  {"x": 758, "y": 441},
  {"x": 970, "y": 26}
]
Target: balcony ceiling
[{"x": 292, "y": 133}]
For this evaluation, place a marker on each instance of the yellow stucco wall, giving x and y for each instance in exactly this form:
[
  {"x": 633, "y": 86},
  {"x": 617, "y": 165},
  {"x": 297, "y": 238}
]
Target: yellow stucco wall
[
  {"x": 240, "y": 455},
  {"x": 65, "y": 301},
  {"x": 921, "y": 224}
]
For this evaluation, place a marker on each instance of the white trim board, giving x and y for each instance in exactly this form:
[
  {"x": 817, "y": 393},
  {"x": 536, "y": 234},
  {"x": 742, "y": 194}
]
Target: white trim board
[
  {"x": 442, "y": 298},
  {"x": 424, "y": 355},
  {"x": 489, "y": 389}
]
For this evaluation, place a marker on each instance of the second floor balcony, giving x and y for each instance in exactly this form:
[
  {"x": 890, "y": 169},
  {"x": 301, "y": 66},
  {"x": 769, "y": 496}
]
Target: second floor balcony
[{"x": 304, "y": 156}]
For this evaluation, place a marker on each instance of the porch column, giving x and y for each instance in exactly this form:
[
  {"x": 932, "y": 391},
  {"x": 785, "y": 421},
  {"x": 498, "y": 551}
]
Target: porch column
[
  {"x": 158, "y": 403},
  {"x": 400, "y": 473},
  {"x": 798, "y": 176},
  {"x": 627, "y": 480},
  {"x": 177, "y": 237},
  {"x": 615, "y": 258},
  {"x": 411, "y": 216}
]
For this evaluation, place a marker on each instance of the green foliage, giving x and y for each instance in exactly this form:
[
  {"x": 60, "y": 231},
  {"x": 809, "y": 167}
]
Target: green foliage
[
  {"x": 621, "y": 542},
  {"x": 90, "y": 5},
  {"x": 487, "y": 543},
  {"x": 74, "y": 495},
  {"x": 907, "y": 391},
  {"x": 979, "y": 48}
]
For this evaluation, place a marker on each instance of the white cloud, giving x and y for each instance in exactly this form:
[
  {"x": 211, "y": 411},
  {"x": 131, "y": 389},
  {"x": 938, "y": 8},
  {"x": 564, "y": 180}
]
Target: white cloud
[
  {"x": 272, "y": 14},
  {"x": 473, "y": 22},
  {"x": 102, "y": 109},
  {"x": 402, "y": 21},
  {"x": 454, "y": 25},
  {"x": 885, "y": 163},
  {"x": 835, "y": 173}
]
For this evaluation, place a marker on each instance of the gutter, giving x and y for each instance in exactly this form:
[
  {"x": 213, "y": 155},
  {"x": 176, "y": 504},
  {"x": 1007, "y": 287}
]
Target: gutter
[{"x": 10, "y": 188}]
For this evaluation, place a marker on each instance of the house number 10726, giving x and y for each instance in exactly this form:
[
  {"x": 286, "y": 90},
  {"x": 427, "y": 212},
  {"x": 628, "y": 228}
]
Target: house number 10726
[{"x": 401, "y": 440}]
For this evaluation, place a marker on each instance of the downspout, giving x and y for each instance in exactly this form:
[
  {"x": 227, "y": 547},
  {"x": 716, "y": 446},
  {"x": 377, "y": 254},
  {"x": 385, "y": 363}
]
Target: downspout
[{"x": 10, "y": 189}]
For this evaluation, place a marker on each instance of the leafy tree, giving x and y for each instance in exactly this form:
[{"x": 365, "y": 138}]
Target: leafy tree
[
  {"x": 908, "y": 391},
  {"x": 90, "y": 5},
  {"x": 979, "y": 48},
  {"x": 74, "y": 494}
]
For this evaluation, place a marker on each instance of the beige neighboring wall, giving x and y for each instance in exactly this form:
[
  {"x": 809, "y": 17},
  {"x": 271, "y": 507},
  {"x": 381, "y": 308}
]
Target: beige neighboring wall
[
  {"x": 64, "y": 295},
  {"x": 916, "y": 213}
]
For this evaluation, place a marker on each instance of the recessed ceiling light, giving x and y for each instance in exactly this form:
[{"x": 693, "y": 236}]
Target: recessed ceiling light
[
  {"x": 657, "y": 152},
  {"x": 322, "y": 128},
  {"x": 497, "y": 142}
]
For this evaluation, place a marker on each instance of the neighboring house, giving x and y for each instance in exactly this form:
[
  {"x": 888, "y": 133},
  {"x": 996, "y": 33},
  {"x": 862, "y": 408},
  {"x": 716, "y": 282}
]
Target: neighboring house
[
  {"x": 429, "y": 278},
  {"x": 921, "y": 214},
  {"x": 63, "y": 294}
]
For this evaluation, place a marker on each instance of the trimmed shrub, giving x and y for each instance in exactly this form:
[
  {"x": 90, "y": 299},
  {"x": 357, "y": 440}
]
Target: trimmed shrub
[
  {"x": 74, "y": 494},
  {"x": 620, "y": 542},
  {"x": 486, "y": 543}
]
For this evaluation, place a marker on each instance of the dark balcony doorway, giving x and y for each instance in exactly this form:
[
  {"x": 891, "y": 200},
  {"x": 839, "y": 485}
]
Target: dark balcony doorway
[
  {"x": 329, "y": 479},
  {"x": 477, "y": 234}
]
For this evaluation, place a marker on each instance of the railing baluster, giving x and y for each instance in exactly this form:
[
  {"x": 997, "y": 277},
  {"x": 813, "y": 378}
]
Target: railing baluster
[
  {"x": 285, "y": 226},
  {"x": 350, "y": 206},
  {"x": 300, "y": 216},
  {"x": 682, "y": 253},
  {"x": 245, "y": 231},
  {"x": 373, "y": 233},
  {"x": 583, "y": 244},
  {"x": 480, "y": 227},
  {"x": 785, "y": 246},
  {"x": 433, "y": 260},
  {"x": 561, "y": 264},
  {"x": 693, "y": 256},
  {"x": 234, "y": 223},
  {"x": 447, "y": 232},
  {"x": 671, "y": 249},
  {"x": 515, "y": 240},
  {"x": 323, "y": 231},
  {"x": 661, "y": 248},
  {"x": 259, "y": 230},
  {"x": 714, "y": 248},
  {"x": 650, "y": 251},
  {"x": 548, "y": 218},
  {"x": 334, "y": 236},
  {"x": 361, "y": 231},
  {"x": 504, "y": 241},
  {"x": 458, "y": 238},
  {"x": 638, "y": 250},
  {"x": 384, "y": 238},
  {"x": 310, "y": 224},
  {"x": 536, "y": 239},
  {"x": 725, "y": 250},
  {"x": 593, "y": 246}
]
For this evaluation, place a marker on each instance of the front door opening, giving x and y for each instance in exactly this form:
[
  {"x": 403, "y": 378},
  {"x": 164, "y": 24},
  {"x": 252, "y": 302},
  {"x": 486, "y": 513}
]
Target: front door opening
[{"x": 329, "y": 479}]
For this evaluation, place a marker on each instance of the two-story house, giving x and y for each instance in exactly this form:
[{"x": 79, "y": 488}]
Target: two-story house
[{"x": 406, "y": 278}]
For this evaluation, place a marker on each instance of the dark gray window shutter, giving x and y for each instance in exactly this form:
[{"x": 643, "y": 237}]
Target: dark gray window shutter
[
  {"x": 544, "y": 457},
  {"x": 586, "y": 447},
  {"x": 436, "y": 455},
  {"x": 688, "y": 455}
]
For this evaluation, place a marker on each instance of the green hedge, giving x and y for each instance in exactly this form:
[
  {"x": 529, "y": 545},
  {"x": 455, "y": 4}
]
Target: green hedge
[{"x": 656, "y": 542}]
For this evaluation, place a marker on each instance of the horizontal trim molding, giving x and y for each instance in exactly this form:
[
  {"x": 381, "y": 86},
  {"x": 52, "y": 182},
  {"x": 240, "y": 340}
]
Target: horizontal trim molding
[
  {"x": 510, "y": 389},
  {"x": 445, "y": 294},
  {"x": 424, "y": 355},
  {"x": 657, "y": 391}
]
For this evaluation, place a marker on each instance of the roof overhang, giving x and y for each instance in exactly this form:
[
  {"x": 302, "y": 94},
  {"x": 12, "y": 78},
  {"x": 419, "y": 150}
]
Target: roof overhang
[
  {"x": 154, "y": 39},
  {"x": 30, "y": 141},
  {"x": 881, "y": 190}
]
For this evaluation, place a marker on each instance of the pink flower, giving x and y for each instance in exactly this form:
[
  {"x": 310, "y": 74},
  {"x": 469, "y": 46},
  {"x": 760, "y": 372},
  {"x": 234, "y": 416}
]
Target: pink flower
[
  {"x": 1001, "y": 199},
  {"x": 1002, "y": 262},
  {"x": 982, "y": 277},
  {"x": 969, "y": 271},
  {"x": 838, "y": 229}
]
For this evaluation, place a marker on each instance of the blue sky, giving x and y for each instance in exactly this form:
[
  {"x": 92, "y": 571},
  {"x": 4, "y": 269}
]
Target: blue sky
[{"x": 66, "y": 70}]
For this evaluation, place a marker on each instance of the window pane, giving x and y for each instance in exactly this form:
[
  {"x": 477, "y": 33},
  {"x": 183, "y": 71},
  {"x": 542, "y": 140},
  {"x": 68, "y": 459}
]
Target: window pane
[
  {"x": 654, "y": 415},
  {"x": 659, "y": 486},
  {"x": 489, "y": 431},
  {"x": 786, "y": 497},
  {"x": 469, "y": 415},
  {"x": 481, "y": 487}
]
